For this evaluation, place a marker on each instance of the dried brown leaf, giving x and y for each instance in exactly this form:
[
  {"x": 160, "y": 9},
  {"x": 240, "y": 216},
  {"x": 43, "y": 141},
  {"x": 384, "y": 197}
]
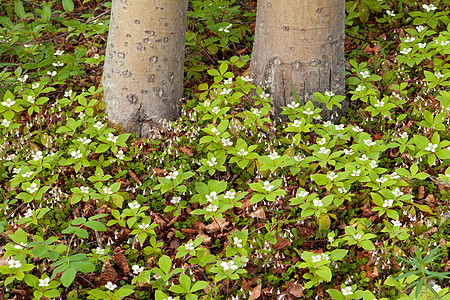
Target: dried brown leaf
[
  {"x": 256, "y": 293},
  {"x": 258, "y": 214},
  {"x": 121, "y": 261},
  {"x": 296, "y": 290},
  {"x": 186, "y": 151}
]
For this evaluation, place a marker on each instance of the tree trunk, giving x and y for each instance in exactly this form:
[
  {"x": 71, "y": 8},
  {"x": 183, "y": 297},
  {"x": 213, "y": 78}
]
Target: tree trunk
[
  {"x": 144, "y": 63},
  {"x": 300, "y": 41}
]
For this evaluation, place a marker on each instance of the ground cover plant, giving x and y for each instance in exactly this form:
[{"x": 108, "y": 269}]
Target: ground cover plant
[{"x": 224, "y": 203}]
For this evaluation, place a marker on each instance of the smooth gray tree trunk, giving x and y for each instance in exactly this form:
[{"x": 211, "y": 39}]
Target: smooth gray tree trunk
[
  {"x": 300, "y": 41},
  {"x": 144, "y": 63}
]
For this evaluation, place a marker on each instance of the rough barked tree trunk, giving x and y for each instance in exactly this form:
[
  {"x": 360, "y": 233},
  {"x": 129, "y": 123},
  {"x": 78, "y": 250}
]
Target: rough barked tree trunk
[
  {"x": 300, "y": 41},
  {"x": 143, "y": 72}
]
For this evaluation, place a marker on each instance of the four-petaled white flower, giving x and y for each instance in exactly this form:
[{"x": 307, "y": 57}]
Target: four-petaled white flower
[
  {"x": 357, "y": 236},
  {"x": 110, "y": 286},
  {"x": 143, "y": 226},
  {"x": 27, "y": 174},
  {"x": 396, "y": 223},
  {"x": 267, "y": 186},
  {"x": 51, "y": 73},
  {"x": 134, "y": 205},
  {"x": 215, "y": 110},
  {"x": 356, "y": 173},
  {"x": 14, "y": 264},
  {"x": 107, "y": 190},
  {"x": 274, "y": 155},
  {"x": 444, "y": 43},
  {"x": 360, "y": 88},
  {"x": 369, "y": 142},
  {"x": 347, "y": 291},
  {"x": 247, "y": 78},
  {"x": 23, "y": 78},
  {"x": 308, "y": 111},
  {"x": 342, "y": 190},
  {"x": 256, "y": 112},
  {"x": 322, "y": 141},
  {"x": 120, "y": 154},
  {"x": 381, "y": 180},
  {"x": 431, "y": 147},
  {"x": 44, "y": 282},
  {"x": 397, "y": 192},
  {"x": 225, "y": 91},
  {"x": 420, "y": 28},
  {"x": 84, "y": 189},
  {"x": 302, "y": 194},
  {"x": 388, "y": 203},
  {"x": 98, "y": 125},
  {"x": 293, "y": 105},
  {"x": 99, "y": 251},
  {"x": 30, "y": 99},
  {"x": 238, "y": 242},
  {"x": 58, "y": 64},
  {"x": 8, "y": 102},
  {"x": 28, "y": 214},
  {"x": 230, "y": 195},
  {"x": 172, "y": 175},
  {"x": 59, "y": 52},
  {"x": 316, "y": 258},
  {"x": 206, "y": 103},
  {"x": 242, "y": 152},
  {"x": 111, "y": 138},
  {"x": 379, "y": 103},
  {"x": 212, "y": 162},
  {"x": 297, "y": 123},
  {"x": 394, "y": 176},
  {"x": 189, "y": 246},
  {"x": 406, "y": 51},
  {"x": 437, "y": 288},
  {"x": 373, "y": 164},
  {"x": 318, "y": 203},
  {"x": 37, "y": 156},
  {"x": 325, "y": 256},
  {"x": 409, "y": 39},
  {"x": 6, "y": 123},
  {"x": 356, "y": 128},
  {"x": 365, "y": 74},
  {"x": 429, "y": 8},
  {"x": 215, "y": 131},
  {"x": 332, "y": 175},
  {"x": 390, "y": 13},
  {"x": 422, "y": 45},
  {"x": 137, "y": 270},
  {"x": 324, "y": 150},
  {"x": 348, "y": 151},
  {"x": 84, "y": 140},
  {"x": 226, "y": 142},
  {"x": 225, "y": 29},
  {"x": 264, "y": 95},
  {"x": 76, "y": 154},
  {"x": 96, "y": 56},
  {"x": 230, "y": 265},
  {"x": 212, "y": 208},
  {"x": 33, "y": 188},
  {"x": 329, "y": 93},
  {"x": 339, "y": 127},
  {"x": 175, "y": 200},
  {"x": 212, "y": 196}
]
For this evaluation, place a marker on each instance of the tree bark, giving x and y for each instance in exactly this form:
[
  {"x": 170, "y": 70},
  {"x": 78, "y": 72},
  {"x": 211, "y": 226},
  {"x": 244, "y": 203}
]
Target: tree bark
[
  {"x": 144, "y": 63},
  {"x": 300, "y": 41}
]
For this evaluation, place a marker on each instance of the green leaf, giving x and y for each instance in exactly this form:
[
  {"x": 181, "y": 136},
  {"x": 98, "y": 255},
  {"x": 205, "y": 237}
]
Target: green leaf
[
  {"x": 165, "y": 264},
  {"x": 95, "y": 225},
  {"x": 46, "y": 12},
  {"x": 335, "y": 294},
  {"x": 68, "y": 276},
  {"x": 83, "y": 266},
  {"x": 68, "y": 5},
  {"x": 18, "y": 8}
]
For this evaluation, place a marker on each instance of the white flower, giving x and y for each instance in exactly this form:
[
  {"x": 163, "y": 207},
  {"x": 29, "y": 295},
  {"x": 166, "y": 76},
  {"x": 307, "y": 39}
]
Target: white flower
[
  {"x": 329, "y": 93},
  {"x": 59, "y": 52},
  {"x": 215, "y": 110},
  {"x": 37, "y": 156},
  {"x": 396, "y": 223},
  {"x": 326, "y": 124},
  {"x": 6, "y": 123},
  {"x": 212, "y": 196},
  {"x": 110, "y": 286},
  {"x": 215, "y": 131},
  {"x": 44, "y": 282},
  {"x": 381, "y": 180},
  {"x": 325, "y": 256},
  {"x": 420, "y": 28},
  {"x": 237, "y": 242},
  {"x": 136, "y": 269},
  {"x": 339, "y": 127},
  {"x": 172, "y": 175},
  {"x": 360, "y": 88},
  {"x": 30, "y": 99},
  {"x": 293, "y": 105},
  {"x": 8, "y": 102},
  {"x": 111, "y": 138},
  {"x": 369, "y": 142},
  {"x": 68, "y": 93},
  {"x": 390, "y": 13},
  {"x": 324, "y": 150},
  {"x": 212, "y": 208},
  {"x": 143, "y": 226},
  {"x": 431, "y": 147},
  {"x": 23, "y": 78},
  {"x": 84, "y": 140},
  {"x": 206, "y": 103},
  {"x": 394, "y": 176},
  {"x": 58, "y": 64},
  {"x": 175, "y": 200},
  {"x": 14, "y": 264},
  {"x": 348, "y": 151},
  {"x": 225, "y": 91},
  {"x": 299, "y": 157},
  {"x": 230, "y": 195},
  {"x": 347, "y": 291},
  {"x": 212, "y": 162},
  {"x": 242, "y": 152},
  {"x": 342, "y": 190},
  {"x": 405, "y": 51},
  {"x": 422, "y": 45},
  {"x": 226, "y": 142},
  {"x": 322, "y": 141},
  {"x": 316, "y": 258},
  {"x": 229, "y": 265},
  {"x": 317, "y": 203},
  {"x": 98, "y": 125},
  {"x": 409, "y": 39},
  {"x": 225, "y": 29},
  {"x": 308, "y": 111},
  {"x": 388, "y": 203},
  {"x": 365, "y": 74},
  {"x": 256, "y": 112},
  {"x": 438, "y": 75},
  {"x": 363, "y": 157},
  {"x": 99, "y": 251},
  {"x": 356, "y": 173},
  {"x": 357, "y": 236},
  {"x": 397, "y": 193},
  {"x": 120, "y": 154},
  {"x": 35, "y": 85},
  {"x": 51, "y": 73},
  {"x": 274, "y": 155},
  {"x": 267, "y": 186},
  {"x": 107, "y": 190},
  {"x": 28, "y": 214},
  {"x": 189, "y": 246},
  {"x": 302, "y": 194},
  {"x": 96, "y": 56},
  {"x": 264, "y": 95},
  {"x": 33, "y": 188},
  {"x": 134, "y": 205},
  {"x": 332, "y": 175},
  {"x": 76, "y": 154},
  {"x": 403, "y": 135},
  {"x": 247, "y": 78},
  {"x": 429, "y": 8},
  {"x": 437, "y": 288},
  {"x": 379, "y": 103},
  {"x": 27, "y": 174},
  {"x": 373, "y": 164},
  {"x": 20, "y": 246}
]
